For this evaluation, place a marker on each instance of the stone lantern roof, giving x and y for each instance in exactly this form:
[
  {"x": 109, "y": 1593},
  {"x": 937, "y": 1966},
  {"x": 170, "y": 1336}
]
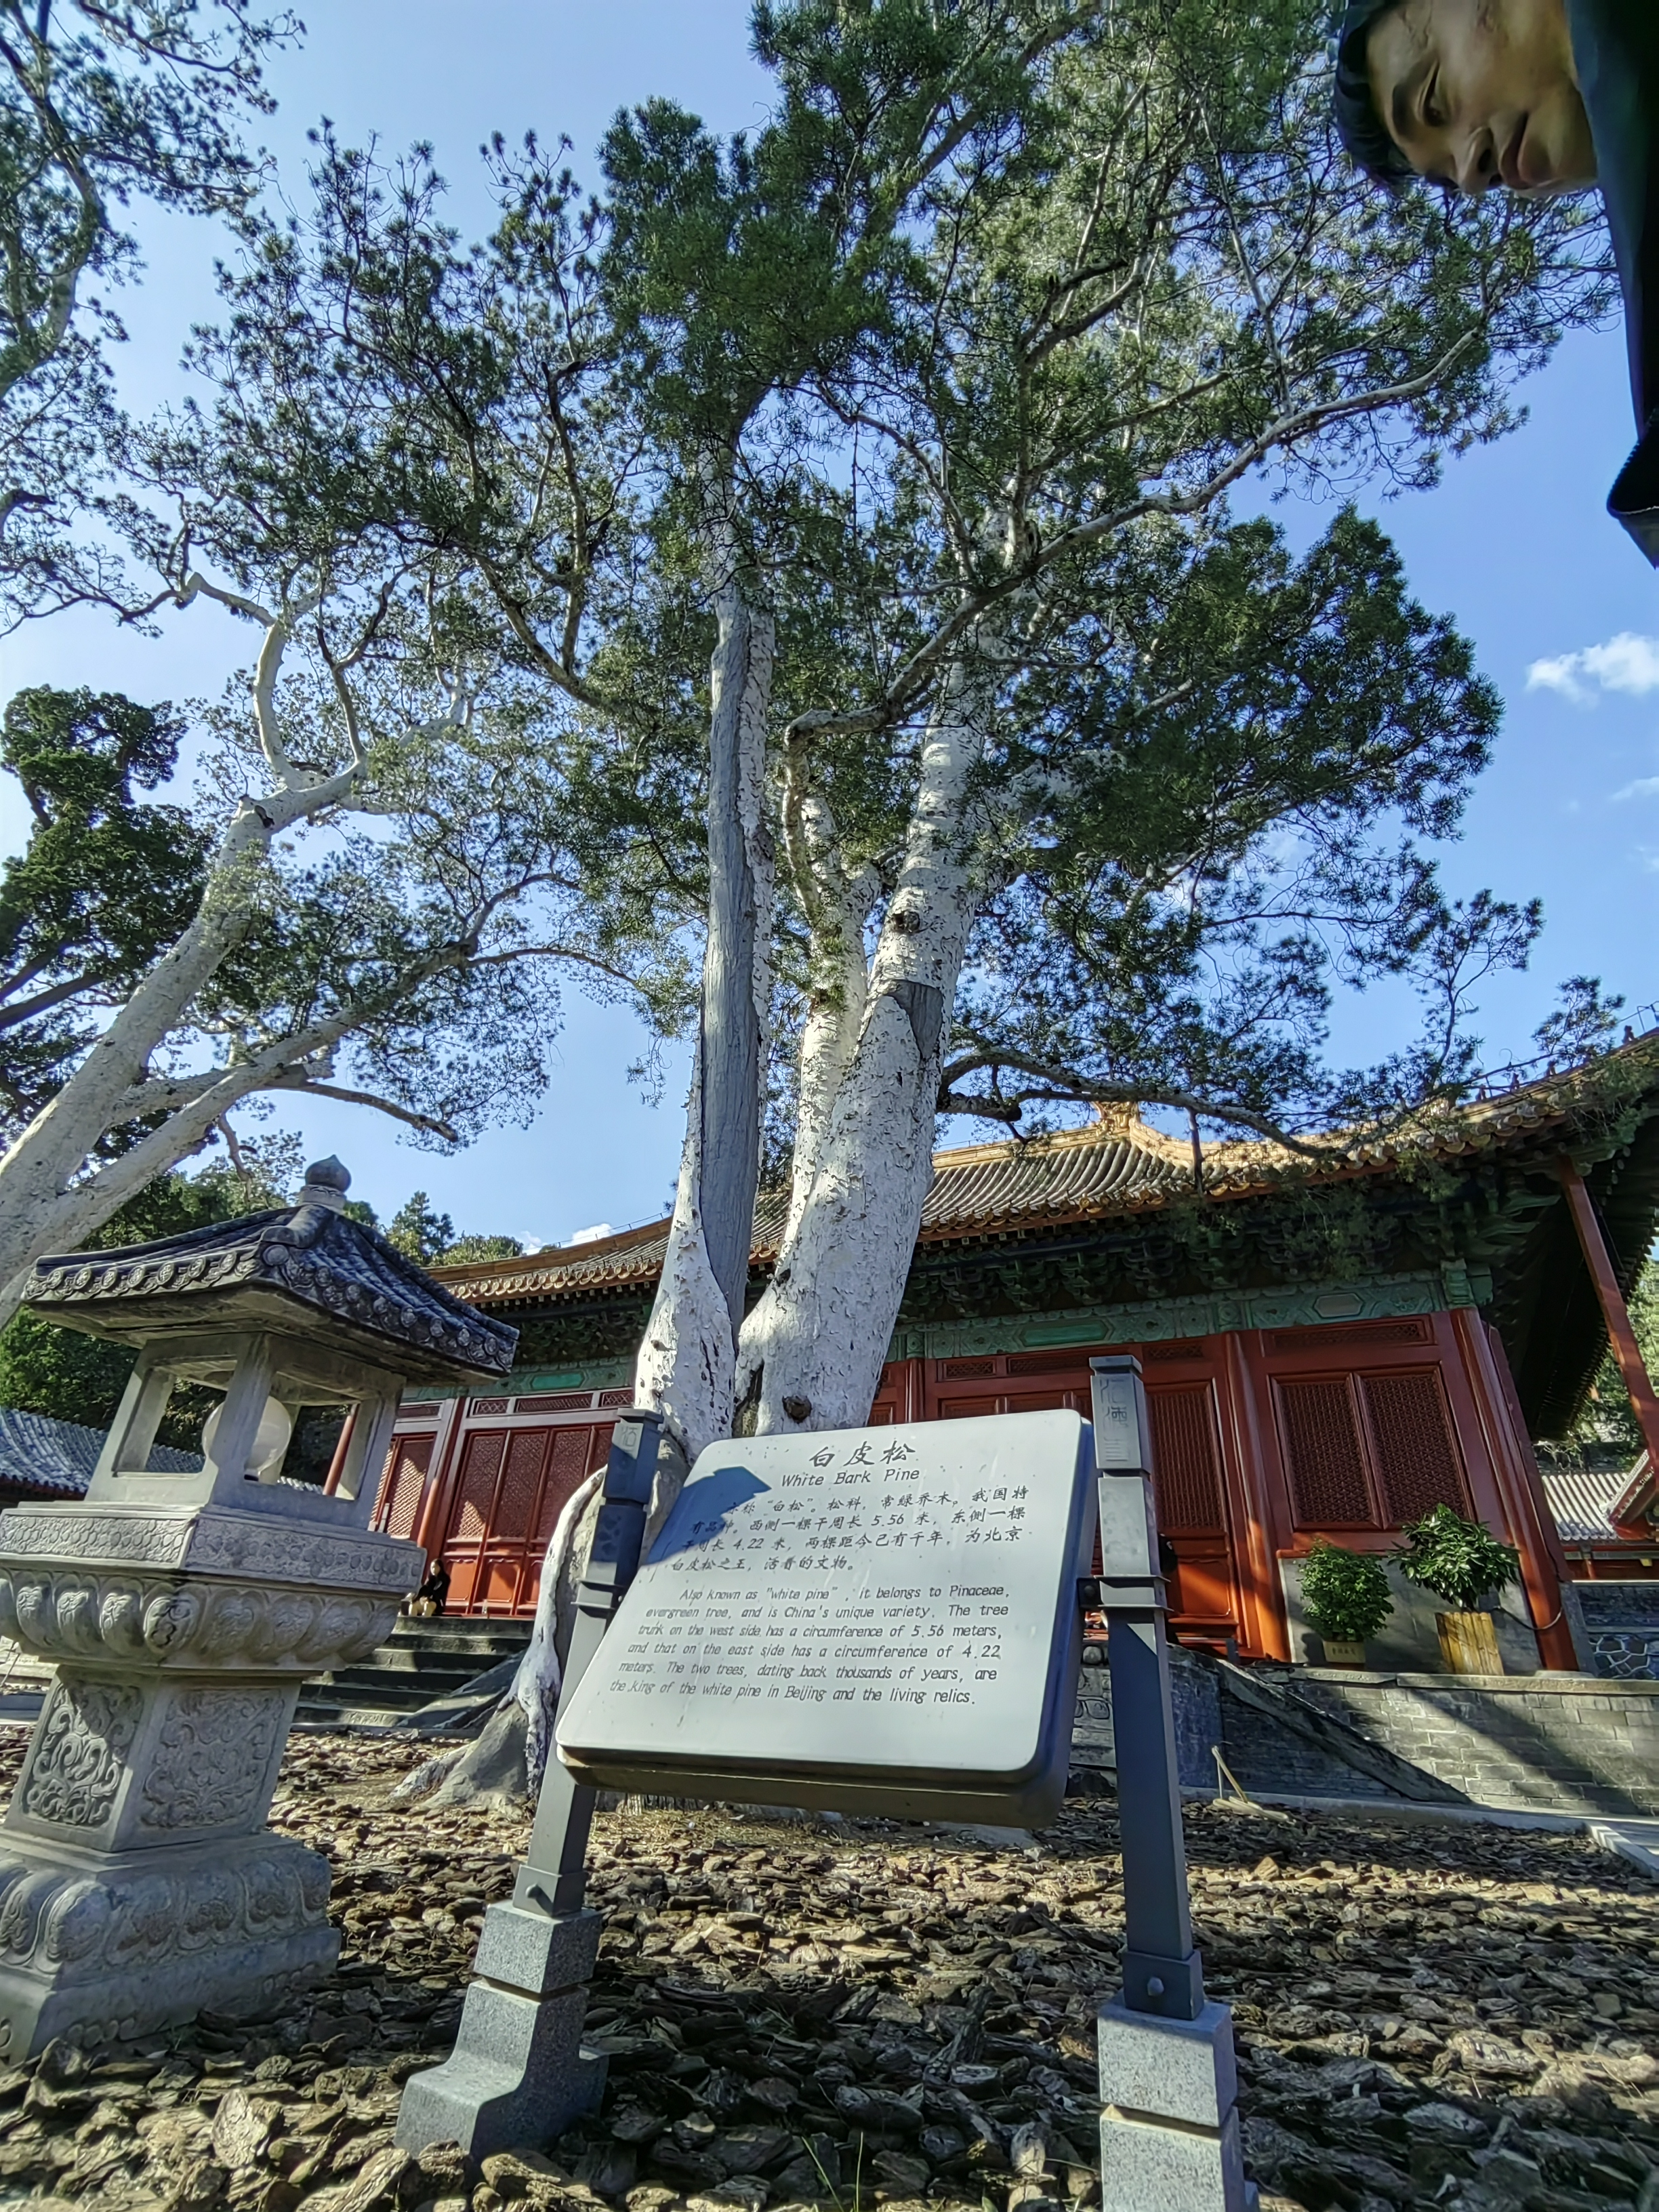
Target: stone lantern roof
[{"x": 307, "y": 1269}]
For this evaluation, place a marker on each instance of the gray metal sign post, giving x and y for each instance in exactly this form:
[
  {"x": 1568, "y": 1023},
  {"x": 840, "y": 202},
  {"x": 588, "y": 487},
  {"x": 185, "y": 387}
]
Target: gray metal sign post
[
  {"x": 518, "y": 2073},
  {"x": 1169, "y": 2129}
]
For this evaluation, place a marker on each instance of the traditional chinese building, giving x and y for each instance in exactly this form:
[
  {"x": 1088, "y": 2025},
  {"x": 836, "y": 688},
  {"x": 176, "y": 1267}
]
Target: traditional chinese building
[{"x": 1331, "y": 1347}]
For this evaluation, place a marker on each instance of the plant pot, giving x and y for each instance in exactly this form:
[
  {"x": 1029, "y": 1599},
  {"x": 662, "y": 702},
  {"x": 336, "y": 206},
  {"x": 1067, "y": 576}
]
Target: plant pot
[
  {"x": 1342, "y": 1651},
  {"x": 1469, "y": 1643}
]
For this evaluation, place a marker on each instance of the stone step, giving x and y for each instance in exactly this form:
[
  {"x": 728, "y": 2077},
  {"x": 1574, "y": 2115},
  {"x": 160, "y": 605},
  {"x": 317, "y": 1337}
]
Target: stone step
[
  {"x": 396, "y": 1659},
  {"x": 323, "y": 1714},
  {"x": 460, "y": 1627},
  {"x": 446, "y": 1650},
  {"x": 425, "y": 1663},
  {"x": 407, "y": 1693},
  {"x": 439, "y": 1635}
]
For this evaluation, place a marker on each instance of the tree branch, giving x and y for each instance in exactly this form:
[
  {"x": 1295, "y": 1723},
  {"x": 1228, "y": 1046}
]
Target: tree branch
[
  {"x": 427, "y": 1121},
  {"x": 1066, "y": 1085},
  {"x": 977, "y": 601}
]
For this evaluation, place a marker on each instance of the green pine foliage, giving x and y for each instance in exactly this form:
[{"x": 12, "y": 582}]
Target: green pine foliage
[
  {"x": 979, "y": 327},
  {"x": 103, "y": 885},
  {"x": 469, "y": 1251},
  {"x": 1345, "y": 1594},
  {"x": 421, "y": 1233},
  {"x": 1456, "y": 1560}
]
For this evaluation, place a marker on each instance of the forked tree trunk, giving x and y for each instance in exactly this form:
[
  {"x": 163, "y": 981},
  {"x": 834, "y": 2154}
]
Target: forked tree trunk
[{"x": 687, "y": 1361}]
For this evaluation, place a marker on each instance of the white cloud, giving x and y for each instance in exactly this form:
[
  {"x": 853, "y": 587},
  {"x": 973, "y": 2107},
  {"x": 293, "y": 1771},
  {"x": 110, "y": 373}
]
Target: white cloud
[
  {"x": 1559, "y": 675},
  {"x": 1626, "y": 663},
  {"x": 1645, "y": 786},
  {"x": 590, "y": 1236}
]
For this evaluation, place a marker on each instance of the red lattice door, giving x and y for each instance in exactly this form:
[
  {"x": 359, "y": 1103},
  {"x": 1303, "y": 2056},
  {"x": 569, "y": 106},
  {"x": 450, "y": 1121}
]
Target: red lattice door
[
  {"x": 1419, "y": 1466},
  {"x": 1190, "y": 1489},
  {"x": 404, "y": 1483},
  {"x": 1370, "y": 1449},
  {"x": 511, "y": 1485},
  {"x": 1325, "y": 1453}
]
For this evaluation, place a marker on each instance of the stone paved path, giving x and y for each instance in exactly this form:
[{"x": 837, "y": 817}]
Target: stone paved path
[{"x": 871, "y": 2014}]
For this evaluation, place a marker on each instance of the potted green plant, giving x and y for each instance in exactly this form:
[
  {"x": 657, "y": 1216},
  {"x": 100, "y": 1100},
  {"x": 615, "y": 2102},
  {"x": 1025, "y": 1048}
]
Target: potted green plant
[
  {"x": 1461, "y": 1563},
  {"x": 1346, "y": 1595}
]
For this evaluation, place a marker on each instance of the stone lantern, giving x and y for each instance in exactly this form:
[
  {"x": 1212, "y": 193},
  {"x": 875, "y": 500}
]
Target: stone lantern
[{"x": 138, "y": 1882}]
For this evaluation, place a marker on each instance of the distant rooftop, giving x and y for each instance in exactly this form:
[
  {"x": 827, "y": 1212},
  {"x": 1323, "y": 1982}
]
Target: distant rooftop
[
  {"x": 1116, "y": 1165},
  {"x": 56, "y": 1458},
  {"x": 1582, "y": 1499}
]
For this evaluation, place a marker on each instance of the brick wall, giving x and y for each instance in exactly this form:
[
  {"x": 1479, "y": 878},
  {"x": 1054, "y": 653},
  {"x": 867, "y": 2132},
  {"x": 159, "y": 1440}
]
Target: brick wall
[
  {"x": 1540, "y": 1742},
  {"x": 1619, "y": 1605}
]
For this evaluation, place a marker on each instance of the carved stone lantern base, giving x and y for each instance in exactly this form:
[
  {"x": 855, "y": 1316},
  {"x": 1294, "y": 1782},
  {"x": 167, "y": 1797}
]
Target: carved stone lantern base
[
  {"x": 183, "y": 1607},
  {"x": 95, "y": 1948},
  {"x": 138, "y": 1883}
]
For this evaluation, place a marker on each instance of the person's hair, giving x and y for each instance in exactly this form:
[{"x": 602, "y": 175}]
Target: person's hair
[{"x": 1361, "y": 129}]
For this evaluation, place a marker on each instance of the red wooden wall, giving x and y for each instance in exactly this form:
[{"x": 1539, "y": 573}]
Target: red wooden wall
[
  {"x": 1264, "y": 1439},
  {"x": 480, "y": 1482}
]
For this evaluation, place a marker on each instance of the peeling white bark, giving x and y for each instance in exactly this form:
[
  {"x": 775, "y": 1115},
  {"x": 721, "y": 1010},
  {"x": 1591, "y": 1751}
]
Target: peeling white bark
[
  {"x": 819, "y": 1335},
  {"x": 838, "y": 984},
  {"x": 47, "y": 1202},
  {"x": 687, "y": 1360}
]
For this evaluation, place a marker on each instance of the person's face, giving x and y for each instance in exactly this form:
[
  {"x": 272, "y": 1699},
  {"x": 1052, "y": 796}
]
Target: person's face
[{"x": 1478, "y": 93}]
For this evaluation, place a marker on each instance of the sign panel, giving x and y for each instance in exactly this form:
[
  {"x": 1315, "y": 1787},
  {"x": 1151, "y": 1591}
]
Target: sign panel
[{"x": 879, "y": 1620}]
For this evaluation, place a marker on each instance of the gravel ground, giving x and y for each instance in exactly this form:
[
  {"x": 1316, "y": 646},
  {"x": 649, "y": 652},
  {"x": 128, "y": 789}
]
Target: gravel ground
[{"x": 859, "y": 2013}]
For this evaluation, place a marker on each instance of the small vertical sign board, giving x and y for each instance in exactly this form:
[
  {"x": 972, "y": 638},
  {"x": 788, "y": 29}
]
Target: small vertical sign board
[
  {"x": 1119, "y": 1410},
  {"x": 866, "y": 1620}
]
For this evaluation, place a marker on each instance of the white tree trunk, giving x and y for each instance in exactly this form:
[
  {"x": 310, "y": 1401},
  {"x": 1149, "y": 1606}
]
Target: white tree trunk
[
  {"x": 817, "y": 1338},
  {"x": 685, "y": 1364},
  {"x": 838, "y": 995},
  {"x": 536, "y": 1685},
  {"x": 46, "y": 1201},
  {"x": 688, "y": 1358}
]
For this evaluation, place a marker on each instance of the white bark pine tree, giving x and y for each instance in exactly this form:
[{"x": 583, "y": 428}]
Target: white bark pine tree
[
  {"x": 862, "y": 492},
  {"x": 1108, "y": 323}
]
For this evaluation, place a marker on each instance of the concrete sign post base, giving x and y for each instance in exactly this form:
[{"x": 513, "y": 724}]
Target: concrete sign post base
[
  {"x": 518, "y": 2073},
  {"x": 1169, "y": 2125}
]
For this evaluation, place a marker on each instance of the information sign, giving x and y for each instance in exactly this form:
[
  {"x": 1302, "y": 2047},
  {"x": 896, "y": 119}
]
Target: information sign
[{"x": 879, "y": 1620}]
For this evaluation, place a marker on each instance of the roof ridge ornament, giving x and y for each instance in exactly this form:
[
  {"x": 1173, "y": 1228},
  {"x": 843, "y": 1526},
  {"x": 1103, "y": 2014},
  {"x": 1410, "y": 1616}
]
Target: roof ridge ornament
[{"x": 327, "y": 1184}]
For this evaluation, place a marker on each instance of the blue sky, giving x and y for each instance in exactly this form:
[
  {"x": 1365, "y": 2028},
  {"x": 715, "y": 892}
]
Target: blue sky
[{"x": 1514, "y": 544}]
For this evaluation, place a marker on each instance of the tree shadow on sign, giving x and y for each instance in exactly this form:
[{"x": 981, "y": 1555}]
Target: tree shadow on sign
[{"x": 700, "y": 1512}]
